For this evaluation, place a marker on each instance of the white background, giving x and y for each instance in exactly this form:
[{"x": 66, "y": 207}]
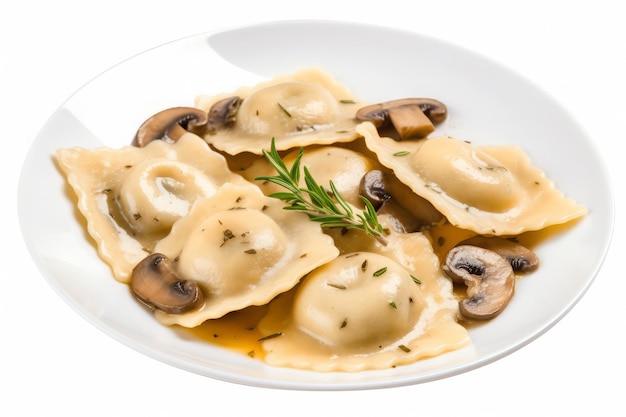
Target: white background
[{"x": 52, "y": 362}]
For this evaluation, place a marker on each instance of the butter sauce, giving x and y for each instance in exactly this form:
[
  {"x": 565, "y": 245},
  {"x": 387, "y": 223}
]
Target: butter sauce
[{"x": 239, "y": 331}]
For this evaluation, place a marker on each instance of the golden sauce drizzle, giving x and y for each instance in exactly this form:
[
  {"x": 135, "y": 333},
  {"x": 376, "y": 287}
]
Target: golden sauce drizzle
[{"x": 239, "y": 331}]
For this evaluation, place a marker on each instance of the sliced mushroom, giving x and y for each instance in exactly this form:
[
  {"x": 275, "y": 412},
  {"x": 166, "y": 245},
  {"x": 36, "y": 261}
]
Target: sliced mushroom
[
  {"x": 373, "y": 186},
  {"x": 412, "y": 118},
  {"x": 408, "y": 211},
  {"x": 489, "y": 278},
  {"x": 169, "y": 125},
  {"x": 520, "y": 257},
  {"x": 155, "y": 283},
  {"x": 222, "y": 114}
]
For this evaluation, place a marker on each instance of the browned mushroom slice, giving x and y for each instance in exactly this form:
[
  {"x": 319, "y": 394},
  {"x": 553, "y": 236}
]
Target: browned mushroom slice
[
  {"x": 169, "y": 125},
  {"x": 222, "y": 114},
  {"x": 155, "y": 283},
  {"x": 411, "y": 117},
  {"x": 408, "y": 211},
  {"x": 373, "y": 186},
  {"x": 489, "y": 278},
  {"x": 520, "y": 257}
]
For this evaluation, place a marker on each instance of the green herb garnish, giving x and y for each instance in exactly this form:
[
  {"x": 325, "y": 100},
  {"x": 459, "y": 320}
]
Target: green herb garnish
[
  {"x": 270, "y": 336},
  {"x": 380, "y": 272},
  {"x": 324, "y": 206},
  {"x": 284, "y": 110}
]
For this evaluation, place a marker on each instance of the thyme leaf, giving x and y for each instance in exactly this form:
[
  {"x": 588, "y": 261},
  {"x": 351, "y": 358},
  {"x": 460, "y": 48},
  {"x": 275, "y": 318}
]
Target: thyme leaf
[
  {"x": 270, "y": 336},
  {"x": 326, "y": 207},
  {"x": 380, "y": 272},
  {"x": 284, "y": 110}
]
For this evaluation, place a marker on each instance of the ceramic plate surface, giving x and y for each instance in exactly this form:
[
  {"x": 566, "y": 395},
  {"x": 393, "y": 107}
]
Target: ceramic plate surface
[{"x": 488, "y": 104}]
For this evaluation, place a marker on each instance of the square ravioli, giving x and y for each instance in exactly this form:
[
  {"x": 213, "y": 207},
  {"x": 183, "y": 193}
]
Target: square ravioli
[
  {"x": 303, "y": 108},
  {"x": 131, "y": 197},
  {"x": 243, "y": 249},
  {"x": 491, "y": 190}
]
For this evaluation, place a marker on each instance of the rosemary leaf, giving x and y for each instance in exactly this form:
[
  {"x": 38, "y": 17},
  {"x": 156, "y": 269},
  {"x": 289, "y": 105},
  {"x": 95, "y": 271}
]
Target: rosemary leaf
[
  {"x": 294, "y": 173},
  {"x": 326, "y": 207}
]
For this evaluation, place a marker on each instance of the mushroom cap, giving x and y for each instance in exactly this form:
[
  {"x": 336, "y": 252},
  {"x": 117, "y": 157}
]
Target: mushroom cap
[
  {"x": 169, "y": 124},
  {"x": 408, "y": 211},
  {"x": 521, "y": 258},
  {"x": 489, "y": 278},
  {"x": 155, "y": 284},
  {"x": 222, "y": 113},
  {"x": 373, "y": 187}
]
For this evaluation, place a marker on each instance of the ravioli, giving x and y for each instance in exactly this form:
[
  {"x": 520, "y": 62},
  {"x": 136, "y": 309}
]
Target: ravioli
[
  {"x": 344, "y": 167},
  {"x": 306, "y": 107},
  {"x": 492, "y": 190},
  {"x": 365, "y": 309},
  {"x": 131, "y": 197},
  {"x": 243, "y": 249}
]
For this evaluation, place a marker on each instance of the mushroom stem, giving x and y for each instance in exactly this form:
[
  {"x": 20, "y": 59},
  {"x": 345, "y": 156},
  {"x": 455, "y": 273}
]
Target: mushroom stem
[{"x": 410, "y": 122}]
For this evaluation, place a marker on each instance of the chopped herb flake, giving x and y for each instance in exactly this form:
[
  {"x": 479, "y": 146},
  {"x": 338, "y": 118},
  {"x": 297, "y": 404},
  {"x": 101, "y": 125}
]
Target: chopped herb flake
[
  {"x": 415, "y": 279},
  {"x": 270, "y": 336},
  {"x": 380, "y": 272},
  {"x": 280, "y": 106}
]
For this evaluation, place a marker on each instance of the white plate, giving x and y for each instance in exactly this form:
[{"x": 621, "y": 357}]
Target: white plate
[{"x": 488, "y": 104}]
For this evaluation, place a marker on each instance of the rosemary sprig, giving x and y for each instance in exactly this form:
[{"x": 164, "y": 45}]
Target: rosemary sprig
[{"x": 326, "y": 207}]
